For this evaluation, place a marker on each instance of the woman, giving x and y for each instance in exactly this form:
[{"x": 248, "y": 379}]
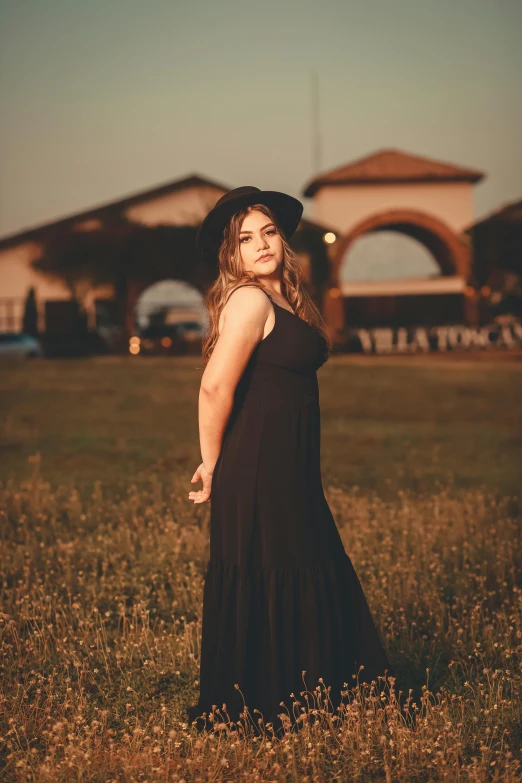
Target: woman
[{"x": 282, "y": 605}]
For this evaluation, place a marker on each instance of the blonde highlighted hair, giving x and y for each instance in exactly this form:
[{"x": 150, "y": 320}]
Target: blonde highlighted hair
[{"x": 231, "y": 275}]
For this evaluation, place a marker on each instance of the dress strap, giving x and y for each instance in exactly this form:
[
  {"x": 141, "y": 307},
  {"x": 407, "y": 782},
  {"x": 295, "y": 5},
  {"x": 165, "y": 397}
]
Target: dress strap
[{"x": 249, "y": 285}]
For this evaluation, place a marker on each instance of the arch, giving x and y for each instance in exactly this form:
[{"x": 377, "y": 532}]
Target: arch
[
  {"x": 387, "y": 255},
  {"x": 136, "y": 289},
  {"x": 449, "y": 251},
  {"x": 166, "y": 296}
]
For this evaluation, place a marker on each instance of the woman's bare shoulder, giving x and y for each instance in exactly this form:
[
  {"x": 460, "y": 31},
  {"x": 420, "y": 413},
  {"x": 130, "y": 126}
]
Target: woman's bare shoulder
[
  {"x": 246, "y": 292},
  {"x": 244, "y": 303}
]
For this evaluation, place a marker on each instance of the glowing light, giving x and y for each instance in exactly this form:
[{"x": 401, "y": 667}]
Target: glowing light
[
  {"x": 335, "y": 293},
  {"x": 329, "y": 238},
  {"x": 134, "y": 348},
  {"x": 166, "y": 342},
  {"x": 134, "y": 340},
  {"x": 469, "y": 291},
  {"x": 485, "y": 290}
]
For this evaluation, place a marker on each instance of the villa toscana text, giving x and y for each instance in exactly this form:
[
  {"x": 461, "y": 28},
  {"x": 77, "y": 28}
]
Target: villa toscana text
[{"x": 439, "y": 338}]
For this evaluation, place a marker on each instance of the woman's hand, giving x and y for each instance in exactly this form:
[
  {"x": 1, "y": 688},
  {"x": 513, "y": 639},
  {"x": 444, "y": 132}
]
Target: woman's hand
[{"x": 202, "y": 495}]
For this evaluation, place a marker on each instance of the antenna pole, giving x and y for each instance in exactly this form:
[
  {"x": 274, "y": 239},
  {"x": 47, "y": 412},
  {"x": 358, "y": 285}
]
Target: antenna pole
[{"x": 316, "y": 135}]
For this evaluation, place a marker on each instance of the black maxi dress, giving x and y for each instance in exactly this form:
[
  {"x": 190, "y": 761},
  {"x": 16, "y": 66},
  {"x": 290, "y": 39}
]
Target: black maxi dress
[{"x": 280, "y": 593}]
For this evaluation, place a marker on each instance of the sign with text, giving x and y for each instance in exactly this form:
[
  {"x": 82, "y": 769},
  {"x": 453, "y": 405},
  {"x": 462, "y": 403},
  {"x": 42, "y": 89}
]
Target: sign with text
[{"x": 417, "y": 339}]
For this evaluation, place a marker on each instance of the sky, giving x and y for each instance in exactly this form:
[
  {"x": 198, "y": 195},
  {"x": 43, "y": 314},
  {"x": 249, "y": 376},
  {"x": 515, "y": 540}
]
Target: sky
[{"x": 101, "y": 99}]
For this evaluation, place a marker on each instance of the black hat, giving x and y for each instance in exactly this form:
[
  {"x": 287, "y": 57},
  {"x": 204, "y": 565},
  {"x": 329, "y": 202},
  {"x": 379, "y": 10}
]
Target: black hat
[{"x": 288, "y": 211}]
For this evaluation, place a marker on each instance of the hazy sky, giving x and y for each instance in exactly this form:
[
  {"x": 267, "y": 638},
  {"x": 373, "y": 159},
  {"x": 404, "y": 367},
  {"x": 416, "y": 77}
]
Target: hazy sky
[{"x": 104, "y": 98}]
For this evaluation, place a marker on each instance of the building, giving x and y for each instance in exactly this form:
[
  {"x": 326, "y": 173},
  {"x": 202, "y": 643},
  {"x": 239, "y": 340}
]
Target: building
[
  {"x": 497, "y": 254},
  {"x": 425, "y": 199},
  {"x": 181, "y": 202}
]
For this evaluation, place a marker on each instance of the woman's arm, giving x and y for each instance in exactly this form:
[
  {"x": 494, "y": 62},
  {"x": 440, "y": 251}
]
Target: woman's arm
[{"x": 244, "y": 317}]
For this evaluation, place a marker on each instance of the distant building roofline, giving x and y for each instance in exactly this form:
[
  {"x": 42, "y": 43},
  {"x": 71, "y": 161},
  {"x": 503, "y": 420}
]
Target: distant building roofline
[
  {"x": 389, "y": 166},
  {"x": 509, "y": 212},
  {"x": 110, "y": 208}
]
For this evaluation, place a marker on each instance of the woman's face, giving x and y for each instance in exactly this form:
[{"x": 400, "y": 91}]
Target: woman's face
[{"x": 259, "y": 237}]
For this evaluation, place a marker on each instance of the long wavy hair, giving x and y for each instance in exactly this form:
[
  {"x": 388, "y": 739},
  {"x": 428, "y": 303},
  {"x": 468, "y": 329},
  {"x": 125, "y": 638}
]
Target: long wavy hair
[{"x": 231, "y": 275}]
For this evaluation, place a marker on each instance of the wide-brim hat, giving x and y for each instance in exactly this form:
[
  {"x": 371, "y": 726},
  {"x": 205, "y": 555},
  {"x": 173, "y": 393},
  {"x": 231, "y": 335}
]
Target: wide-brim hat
[{"x": 287, "y": 209}]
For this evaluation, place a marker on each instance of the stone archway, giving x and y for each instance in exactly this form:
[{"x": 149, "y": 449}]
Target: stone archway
[{"x": 450, "y": 251}]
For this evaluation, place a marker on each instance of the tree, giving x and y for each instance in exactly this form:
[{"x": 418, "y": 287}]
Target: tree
[
  {"x": 30, "y": 319},
  {"x": 82, "y": 259}
]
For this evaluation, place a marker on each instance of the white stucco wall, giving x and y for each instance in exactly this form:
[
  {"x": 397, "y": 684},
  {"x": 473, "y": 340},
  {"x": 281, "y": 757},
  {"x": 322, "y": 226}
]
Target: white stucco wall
[
  {"x": 184, "y": 207},
  {"x": 344, "y": 207},
  {"x": 16, "y": 278},
  {"x": 17, "y": 275}
]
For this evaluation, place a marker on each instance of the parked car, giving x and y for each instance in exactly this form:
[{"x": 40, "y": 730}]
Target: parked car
[
  {"x": 19, "y": 344},
  {"x": 158, "y": 339},
  {"x": 191, "y": 330}
]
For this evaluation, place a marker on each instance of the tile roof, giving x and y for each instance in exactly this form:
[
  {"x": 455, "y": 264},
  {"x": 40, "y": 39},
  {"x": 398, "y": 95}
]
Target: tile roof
[
  {"x": 111, "y": 208},
  {"x": 392, "y": 165}
]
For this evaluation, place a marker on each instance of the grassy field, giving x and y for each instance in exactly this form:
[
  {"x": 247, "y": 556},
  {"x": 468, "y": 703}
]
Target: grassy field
[
  {"x": 102, "y": 561},
  {"x": 386, "y": 425}
]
